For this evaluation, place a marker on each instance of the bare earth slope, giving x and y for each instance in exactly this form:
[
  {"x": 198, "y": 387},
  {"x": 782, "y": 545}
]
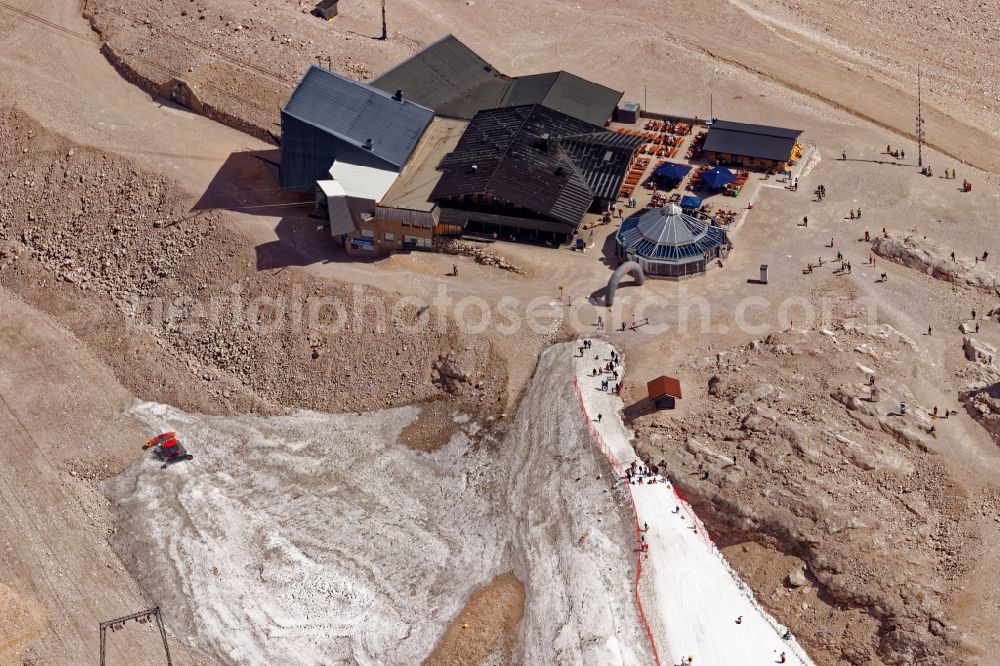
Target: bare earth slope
[{"x": 856, "y": 57}]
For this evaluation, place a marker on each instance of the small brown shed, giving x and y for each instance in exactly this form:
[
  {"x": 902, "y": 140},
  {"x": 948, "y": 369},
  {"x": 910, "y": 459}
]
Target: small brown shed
[{"x": 663, "y": 391}]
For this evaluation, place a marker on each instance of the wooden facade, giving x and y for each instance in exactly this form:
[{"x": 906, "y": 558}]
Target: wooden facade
[
  {"x": 376, "y": 235},
  {"x": 746, "y": 162}
]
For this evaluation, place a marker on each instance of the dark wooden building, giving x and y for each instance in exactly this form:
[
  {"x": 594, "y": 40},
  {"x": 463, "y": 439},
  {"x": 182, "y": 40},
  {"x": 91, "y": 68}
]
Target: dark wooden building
[
  {"x": 751, "y": 146},
  {"x": 531, "y": 173}
]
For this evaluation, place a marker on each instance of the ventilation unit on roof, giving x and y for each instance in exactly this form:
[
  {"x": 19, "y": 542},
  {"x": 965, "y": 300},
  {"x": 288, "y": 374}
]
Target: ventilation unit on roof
[
  {"x": 368, "y": 145},
  {"x": 398, "y": 96}
]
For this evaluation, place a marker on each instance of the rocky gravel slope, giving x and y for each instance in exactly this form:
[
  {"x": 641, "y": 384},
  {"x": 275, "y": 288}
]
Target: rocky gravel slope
[
  {"x": 787, "y": 443},
  {"x": 173, "y": 300}
]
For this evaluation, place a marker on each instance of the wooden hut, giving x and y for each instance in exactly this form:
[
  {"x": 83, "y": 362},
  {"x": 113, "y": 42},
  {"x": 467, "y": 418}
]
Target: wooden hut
[{"x": 664, "y": 391}]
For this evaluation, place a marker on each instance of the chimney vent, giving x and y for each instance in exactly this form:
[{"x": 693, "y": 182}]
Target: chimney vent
[
  {"x": 398, "y": 96},
  {"x": 368, "y": 145}
]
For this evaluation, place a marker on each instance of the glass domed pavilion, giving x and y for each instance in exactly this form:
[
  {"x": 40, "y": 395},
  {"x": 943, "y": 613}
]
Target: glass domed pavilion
[{"x": 667, "y": 242}]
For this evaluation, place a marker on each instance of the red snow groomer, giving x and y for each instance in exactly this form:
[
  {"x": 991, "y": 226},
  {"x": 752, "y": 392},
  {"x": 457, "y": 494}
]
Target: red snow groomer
[{"x": 167, "y": 448}]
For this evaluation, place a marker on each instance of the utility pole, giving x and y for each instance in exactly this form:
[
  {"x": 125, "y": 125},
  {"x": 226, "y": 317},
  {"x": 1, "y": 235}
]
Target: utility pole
[
  {"x": 142, "y": 617},
  {"x": 920, "y": 119},
  {"x": 385, "y": 33}
]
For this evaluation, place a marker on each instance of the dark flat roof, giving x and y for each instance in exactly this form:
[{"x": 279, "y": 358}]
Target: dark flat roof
[
  {"x": 447, "y": 76},
  {"x": 355, "y": 112},
  {"x": 567, "y": 93},
  {"x": 502, "y": 154},
  {"x": 761, "y": 141},
  {"x": 454, "y": 80}
]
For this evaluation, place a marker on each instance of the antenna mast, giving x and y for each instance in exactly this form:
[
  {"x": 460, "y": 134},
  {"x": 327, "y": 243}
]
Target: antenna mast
[{"x": 920, "y": 119}]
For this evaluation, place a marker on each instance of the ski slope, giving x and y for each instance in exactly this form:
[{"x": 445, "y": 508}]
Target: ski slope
[{"x": 690, "y": 595}]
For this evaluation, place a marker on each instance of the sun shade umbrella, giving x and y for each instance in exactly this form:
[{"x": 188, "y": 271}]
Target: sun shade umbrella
[
  {"x": 689, "y": 202},
  {"x": 672, "y": 171},
  {"x": 717, "y": 177}
]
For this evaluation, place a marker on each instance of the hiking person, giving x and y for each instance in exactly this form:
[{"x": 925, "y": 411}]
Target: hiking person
[
  {"x": 973, "y": 313},
  {"x": 781, "y": 658},
  {"x": 929, "y": 330},
  {"x": 859, "y": 213},
  {"x": 599, "y": 417},
  {"x": 805, "y": 221},
  {"x": 739, "y": 620},
  {"x": 953, "y": 256},
  {"x": 852, "y": 213},
  {"x": 843, "y": 155},
  {"x": 867, "y": 237},
  {"x": 985, "y": 254}
]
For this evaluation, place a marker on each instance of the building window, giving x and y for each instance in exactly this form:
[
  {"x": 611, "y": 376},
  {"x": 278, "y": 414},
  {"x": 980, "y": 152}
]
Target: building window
[
  {"x": 367, "y": 233},
  {"x": 390, "y": 236}
]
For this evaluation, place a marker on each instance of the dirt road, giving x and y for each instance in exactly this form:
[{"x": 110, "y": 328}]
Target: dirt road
[{"x": 55, "y": 71}]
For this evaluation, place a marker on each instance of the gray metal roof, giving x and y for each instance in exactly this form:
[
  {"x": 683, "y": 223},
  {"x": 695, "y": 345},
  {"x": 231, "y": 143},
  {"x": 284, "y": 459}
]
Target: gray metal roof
[
  {"x": 567, "y": 93},
  {"x": 668, "y": 235},
  {"x": 354, "y": 113},
  {"x": 761, "y": 141},
  {"x": 447, "y": 76}
]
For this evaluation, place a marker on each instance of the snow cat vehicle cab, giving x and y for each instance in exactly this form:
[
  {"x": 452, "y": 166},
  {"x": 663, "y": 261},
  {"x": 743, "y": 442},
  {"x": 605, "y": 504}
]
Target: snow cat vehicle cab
[{"x": 167, "y": 448}]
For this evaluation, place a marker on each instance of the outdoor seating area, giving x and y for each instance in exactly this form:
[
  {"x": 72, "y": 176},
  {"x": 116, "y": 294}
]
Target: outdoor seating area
[
  {"x": 680, "y": 129},
  {"x": 634, "y": 176},
  {"x": 726, "y": 217},
  {"x": 719, "y": 178},
  {"x": 658, "y": 143},
  {"x": 797, "y": 151},
  {"x": 697, "y": 146}
]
